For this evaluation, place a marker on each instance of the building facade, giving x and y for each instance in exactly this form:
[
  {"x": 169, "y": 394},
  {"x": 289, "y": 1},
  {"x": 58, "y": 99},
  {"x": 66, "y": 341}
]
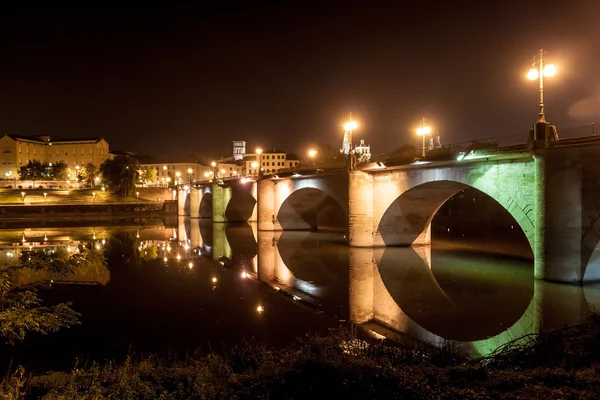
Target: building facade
[{"x": 17, "y": 151}]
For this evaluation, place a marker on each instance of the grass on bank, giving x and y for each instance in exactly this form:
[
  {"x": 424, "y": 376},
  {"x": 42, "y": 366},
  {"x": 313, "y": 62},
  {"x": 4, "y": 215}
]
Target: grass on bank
[{"x": 562, "y": 364}]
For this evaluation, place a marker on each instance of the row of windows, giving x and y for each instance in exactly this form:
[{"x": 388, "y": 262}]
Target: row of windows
[
  {"x": 279, "y": 164},
  {"x": 99, "y": 151},
  {"x": 273, "y": 157}
]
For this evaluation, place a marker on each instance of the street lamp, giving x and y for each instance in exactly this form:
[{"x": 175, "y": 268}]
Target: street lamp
[
  {"x": 189, "y": 171},
  {"x": 178, "y": 174},
  {"x": 349, "y": 127},
  {"x": 423, "y": 130},
  {"x": 312, "y": 153},
  {"x": 539, "y": 69}
]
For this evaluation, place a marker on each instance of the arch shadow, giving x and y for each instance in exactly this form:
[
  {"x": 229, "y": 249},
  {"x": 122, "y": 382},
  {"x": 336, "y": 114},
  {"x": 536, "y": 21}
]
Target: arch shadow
[
  {"x": 407, "y": 220},
  {"x": 242, "y": 202},
  {"x": 206, "y": 206},
  {"x": 312, "y": 209}
]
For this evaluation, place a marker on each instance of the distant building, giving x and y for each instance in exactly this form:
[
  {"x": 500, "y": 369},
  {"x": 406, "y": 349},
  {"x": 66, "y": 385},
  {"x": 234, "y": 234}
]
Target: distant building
[
  {"x": 269, "y": 161},
  {"x": 363, "y": 151},
  {"x": 19, "y": 150},
  {"x": 239, "y": 149},
  {"x": 274, "y": 160}
]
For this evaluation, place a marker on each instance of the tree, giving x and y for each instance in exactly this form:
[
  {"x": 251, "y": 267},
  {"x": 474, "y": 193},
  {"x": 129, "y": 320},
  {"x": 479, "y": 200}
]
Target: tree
[
  {"x": 59, "y": 171},
  {"x": 89, "y": 173},
  {"x": 34, "y": 170},
  {"x": 21, "y": 310},
  {"x": 149, "y": 175},
  {"x": 120, "y": 175}
]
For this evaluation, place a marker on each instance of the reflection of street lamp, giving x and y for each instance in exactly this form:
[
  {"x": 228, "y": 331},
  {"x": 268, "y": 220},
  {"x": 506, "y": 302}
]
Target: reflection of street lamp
[
  {"x": 23, "y": 196},
  {"x": 45, "y": 194},
  {"x": 423, "y": 130},
  {"x": 137, "y": 195},
  {"x": 538, "y": 70},
  {"x": 93, "y": 197}
]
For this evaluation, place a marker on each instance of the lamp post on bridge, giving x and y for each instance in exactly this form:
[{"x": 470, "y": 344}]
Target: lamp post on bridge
[
  {"x": 349, "y": 127},
  {"x": 258, "y": 152},
  {"x": 423, "y": 130},
  {"x": 540, "y": 68}
]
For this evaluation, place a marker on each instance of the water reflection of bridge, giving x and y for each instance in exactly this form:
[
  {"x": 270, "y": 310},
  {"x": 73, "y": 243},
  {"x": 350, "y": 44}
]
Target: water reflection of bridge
[{"x": 412, "y": 299}]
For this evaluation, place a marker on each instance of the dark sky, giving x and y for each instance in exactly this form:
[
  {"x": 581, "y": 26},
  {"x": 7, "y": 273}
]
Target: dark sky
[{"x": 168, "y": 81}]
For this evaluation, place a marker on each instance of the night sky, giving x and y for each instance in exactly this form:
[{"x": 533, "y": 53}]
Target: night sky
[{"x": 180, "y": 80}]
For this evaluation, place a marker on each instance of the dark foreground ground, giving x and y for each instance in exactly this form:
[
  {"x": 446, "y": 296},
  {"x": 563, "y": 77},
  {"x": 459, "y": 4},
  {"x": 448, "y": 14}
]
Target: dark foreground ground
[{"x": 561, "y": 365}]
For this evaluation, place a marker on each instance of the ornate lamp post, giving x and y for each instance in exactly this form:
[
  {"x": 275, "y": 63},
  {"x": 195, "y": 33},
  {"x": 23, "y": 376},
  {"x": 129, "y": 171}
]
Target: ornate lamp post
[
  {"x": 349, "y": 127},
  {"x": 539, "y": 69},
  {"x": 423, "y": 130}
]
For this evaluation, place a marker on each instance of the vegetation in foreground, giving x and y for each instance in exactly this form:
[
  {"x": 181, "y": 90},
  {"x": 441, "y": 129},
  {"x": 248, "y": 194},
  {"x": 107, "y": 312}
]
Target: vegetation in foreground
[{"x": 562, "y": 364}]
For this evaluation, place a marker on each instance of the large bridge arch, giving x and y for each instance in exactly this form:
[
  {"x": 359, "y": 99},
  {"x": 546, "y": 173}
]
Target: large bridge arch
[
  {"x": 287, "y": 204},
  {"x": 411, "y": 197}
]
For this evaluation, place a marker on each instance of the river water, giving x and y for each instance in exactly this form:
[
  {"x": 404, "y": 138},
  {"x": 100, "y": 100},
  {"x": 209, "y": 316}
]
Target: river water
[{"x": 174, "y": 287}]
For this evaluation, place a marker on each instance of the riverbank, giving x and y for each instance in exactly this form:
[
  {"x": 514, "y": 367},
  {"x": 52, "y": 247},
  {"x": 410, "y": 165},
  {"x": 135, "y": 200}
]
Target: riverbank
[
  {"x": 561, "y": 364},
  {"x": 14, "y": 213}
]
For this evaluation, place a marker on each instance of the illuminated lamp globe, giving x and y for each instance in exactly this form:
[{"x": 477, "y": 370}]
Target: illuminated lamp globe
[
  {"x": 549, "y": 70},
  {"x": 532, "y": 74}
]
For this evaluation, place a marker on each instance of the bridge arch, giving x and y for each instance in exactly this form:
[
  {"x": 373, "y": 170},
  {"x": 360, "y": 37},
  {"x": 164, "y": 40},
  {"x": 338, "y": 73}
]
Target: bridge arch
[
  {"x": 206, "y": 204},
  {"x": 411, "y": 198},
  {"x": 303, "y": 204}
]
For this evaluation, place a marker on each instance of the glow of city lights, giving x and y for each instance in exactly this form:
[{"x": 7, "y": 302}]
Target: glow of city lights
[
  {"x": 178, "y": 257},
  {"x": 244, "y": 275},
  {"x": 191, "y": 265},
  {"x": 260, "y": 309},
  {"x": 165, "y": 259},
  {"x": 214, "y": 279},
  {"x": 190, "y": 170},
  {"x": 259, "y": 151},
  {"x": 213, "y": 164},
  {"x": 312, "y": 153}
]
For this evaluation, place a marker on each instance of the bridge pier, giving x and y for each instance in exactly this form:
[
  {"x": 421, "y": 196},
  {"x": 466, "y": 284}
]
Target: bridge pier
[
  {"x": 360, "y": 209},
  {"x": 195, "y": 197},
  {"x": 266, "y": 205},
  {"x": 181, "y": 195},
  {"x": 558, "y": 221},
  {"x": 221, "y": 195},
  {"x": 254, "y": 191}
]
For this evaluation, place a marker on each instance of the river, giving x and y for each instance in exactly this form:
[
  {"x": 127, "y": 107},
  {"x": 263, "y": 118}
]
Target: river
[{"x": 177, "y": 286}]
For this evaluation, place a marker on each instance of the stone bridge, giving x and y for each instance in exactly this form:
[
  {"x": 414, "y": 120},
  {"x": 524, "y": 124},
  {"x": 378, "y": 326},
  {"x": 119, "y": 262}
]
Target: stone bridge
[{"x": 553, "y": 195}]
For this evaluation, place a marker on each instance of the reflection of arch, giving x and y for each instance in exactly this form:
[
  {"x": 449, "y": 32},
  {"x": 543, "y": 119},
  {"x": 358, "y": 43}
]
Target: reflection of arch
[
  {"x": 444, "y": 307},
  {"x": 312, "y": 208},
  {"x": 370, "y": 301},
  {"x": 407, "y": 219},
  {"x": 206, "y": 204},
  {"x": 273, "y": 270}
]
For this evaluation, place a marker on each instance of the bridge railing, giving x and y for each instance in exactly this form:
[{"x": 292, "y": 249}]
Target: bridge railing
[{"x": 580, "y": 131}]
